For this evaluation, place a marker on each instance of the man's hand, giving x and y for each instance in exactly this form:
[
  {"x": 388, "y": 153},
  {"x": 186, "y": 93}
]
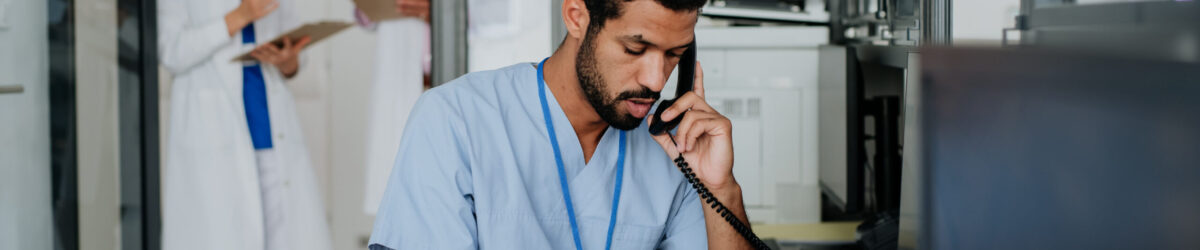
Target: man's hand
[
  {"x": 247, "y": 12},
  {"x": 413, "y": 8},
  {"x": 285, "y": 58},
  {"x": 705, "y": 139}
]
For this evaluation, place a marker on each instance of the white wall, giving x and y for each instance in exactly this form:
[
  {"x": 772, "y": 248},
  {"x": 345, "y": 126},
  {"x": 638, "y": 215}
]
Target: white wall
[
  {"x": 505, "y": 32},
  {"x": 979, "y": 22},
  {"x": 25, "y": 212},
  {"x": 349, "y": 64}
]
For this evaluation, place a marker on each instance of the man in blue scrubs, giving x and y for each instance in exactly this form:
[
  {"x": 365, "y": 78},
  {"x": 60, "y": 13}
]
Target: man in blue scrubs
[{"x": 556, "y": 155}]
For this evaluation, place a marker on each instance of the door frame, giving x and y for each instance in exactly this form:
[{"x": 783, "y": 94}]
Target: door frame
[{"x": 138, "y": 109}]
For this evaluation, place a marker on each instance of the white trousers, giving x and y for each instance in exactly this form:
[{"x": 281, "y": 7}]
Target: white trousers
[{"x": 272, "y": 186}]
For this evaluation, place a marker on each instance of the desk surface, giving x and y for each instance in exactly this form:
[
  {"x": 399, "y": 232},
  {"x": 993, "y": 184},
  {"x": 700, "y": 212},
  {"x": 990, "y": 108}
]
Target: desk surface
[{"x": 828, "y": 232}]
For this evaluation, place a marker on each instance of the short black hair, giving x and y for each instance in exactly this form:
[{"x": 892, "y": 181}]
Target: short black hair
[{"x": 600, "y": 11}]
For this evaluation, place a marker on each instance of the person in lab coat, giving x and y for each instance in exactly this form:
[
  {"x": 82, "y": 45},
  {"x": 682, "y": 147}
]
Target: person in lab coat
[
  {"x": 236, "y": 175},
  {"x": 556, "y": 154},
  {"x": 401, "y": 70}
]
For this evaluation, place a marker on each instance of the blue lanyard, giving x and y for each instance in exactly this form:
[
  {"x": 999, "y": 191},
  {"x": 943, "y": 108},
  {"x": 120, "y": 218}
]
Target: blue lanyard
[{"x": 562, "y": 174}]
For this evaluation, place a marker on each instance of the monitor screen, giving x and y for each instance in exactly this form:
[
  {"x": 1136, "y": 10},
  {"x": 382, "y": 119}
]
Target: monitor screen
[{"x": 1030, "y": 149}]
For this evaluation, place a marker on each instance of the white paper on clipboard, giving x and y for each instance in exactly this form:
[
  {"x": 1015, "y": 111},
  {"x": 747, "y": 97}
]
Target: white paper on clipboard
[{"x": 378, "y": 10}]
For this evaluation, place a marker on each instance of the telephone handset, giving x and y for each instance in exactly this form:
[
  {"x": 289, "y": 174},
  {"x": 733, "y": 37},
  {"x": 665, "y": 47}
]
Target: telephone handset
[{"x": 686, "y": 77}]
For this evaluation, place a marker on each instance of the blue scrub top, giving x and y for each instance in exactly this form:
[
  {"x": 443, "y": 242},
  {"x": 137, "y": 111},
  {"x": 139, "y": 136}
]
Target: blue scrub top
[
  {"x": 254, "y": 95},
  {"x": 475, "y": 169}
]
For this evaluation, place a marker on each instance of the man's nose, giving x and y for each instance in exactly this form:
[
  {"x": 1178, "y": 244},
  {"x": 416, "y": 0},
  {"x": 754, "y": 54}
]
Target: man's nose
[{"x": 650, "y": 73}]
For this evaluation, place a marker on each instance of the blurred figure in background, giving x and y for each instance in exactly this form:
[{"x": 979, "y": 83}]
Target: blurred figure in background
[
  {"x": 237, "y": 174},
  {"x": 401, "y": 74}
]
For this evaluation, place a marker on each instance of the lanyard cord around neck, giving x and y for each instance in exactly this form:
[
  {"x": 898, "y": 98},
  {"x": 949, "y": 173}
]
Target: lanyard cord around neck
[{"x": 562, "y": 174}]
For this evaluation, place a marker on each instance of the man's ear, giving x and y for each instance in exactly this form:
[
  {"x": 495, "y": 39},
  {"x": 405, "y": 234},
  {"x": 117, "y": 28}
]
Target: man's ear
[{"x": 575, "y": 17}]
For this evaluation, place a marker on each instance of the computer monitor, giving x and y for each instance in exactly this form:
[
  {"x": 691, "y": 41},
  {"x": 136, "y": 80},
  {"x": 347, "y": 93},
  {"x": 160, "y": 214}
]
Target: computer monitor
[
  {"x": 841, "y": 165},
  {"x": 910, "y": 181},
  {"x": 859, "y": 94},
  {"x": 1024, "y": 149}
]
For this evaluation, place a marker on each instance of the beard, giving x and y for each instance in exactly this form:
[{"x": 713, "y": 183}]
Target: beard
[{"x": 594, "y": 87}]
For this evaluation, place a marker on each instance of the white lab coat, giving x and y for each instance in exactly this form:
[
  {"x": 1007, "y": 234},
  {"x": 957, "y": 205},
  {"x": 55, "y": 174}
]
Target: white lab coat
[
  {"x": 210, "y": 185},
  {"x": 399, "y": 80}
]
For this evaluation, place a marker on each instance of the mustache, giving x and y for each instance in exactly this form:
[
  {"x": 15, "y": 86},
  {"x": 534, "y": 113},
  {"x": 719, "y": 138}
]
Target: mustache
[{"x": 644, "y": 92}]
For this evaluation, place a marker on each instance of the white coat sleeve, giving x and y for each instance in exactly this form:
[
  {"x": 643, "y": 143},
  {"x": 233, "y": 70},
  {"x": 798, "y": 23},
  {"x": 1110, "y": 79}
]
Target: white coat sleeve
[
  {"x": 428, "y": 202},
  {"x": 184, "y": 43}
]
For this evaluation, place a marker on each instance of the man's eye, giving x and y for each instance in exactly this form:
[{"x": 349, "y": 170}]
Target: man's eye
[
  {"x": 673, "y": 55},
  {"x": 636, "y": 53}
]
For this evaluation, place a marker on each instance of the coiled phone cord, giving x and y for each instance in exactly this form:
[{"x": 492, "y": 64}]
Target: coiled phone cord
[{"x": 716, "y": 204}]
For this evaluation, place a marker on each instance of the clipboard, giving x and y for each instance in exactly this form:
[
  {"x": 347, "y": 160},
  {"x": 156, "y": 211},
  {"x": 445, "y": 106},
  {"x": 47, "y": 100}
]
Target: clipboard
[
  {"x": 378, "y": 10},
  {"x": 317, "y": 31}
]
